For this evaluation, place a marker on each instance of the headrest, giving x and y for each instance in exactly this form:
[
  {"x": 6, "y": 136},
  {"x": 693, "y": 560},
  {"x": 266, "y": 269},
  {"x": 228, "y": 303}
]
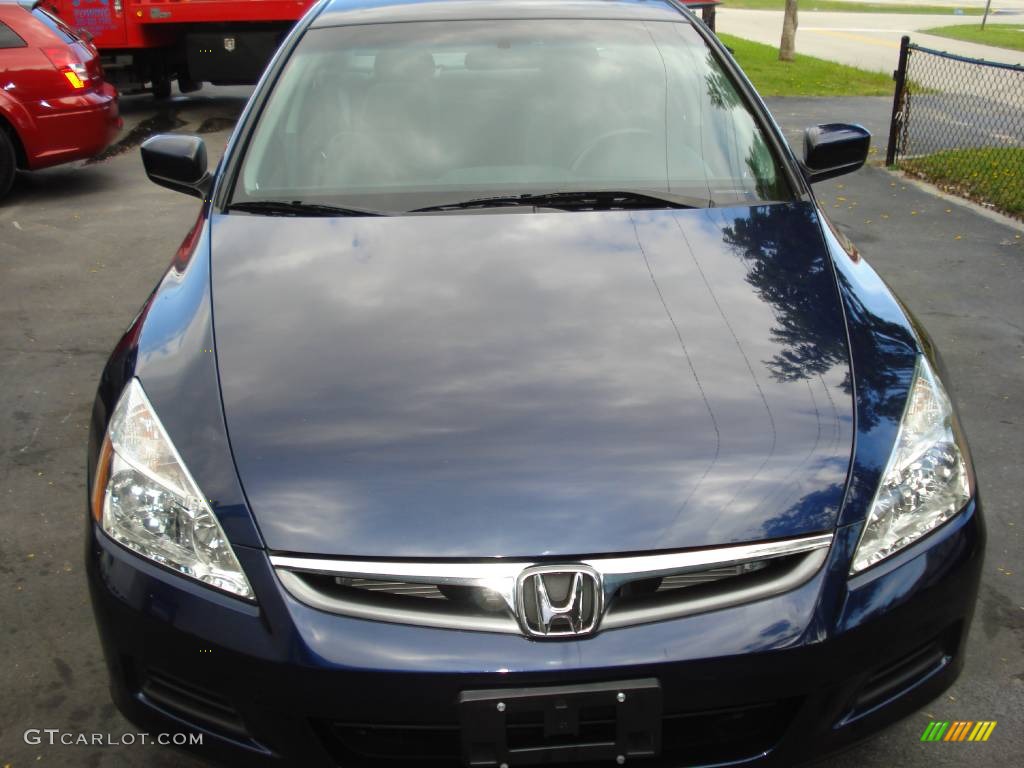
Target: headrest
[
  {"x": 403, "y": 65},
  {"x": 498, "y": 58},
  {"x": 575, "y": 59}
]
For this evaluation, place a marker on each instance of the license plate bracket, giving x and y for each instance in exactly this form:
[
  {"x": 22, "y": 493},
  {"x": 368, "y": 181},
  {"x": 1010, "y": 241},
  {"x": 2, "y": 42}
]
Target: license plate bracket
[{"x": 555, "y": 724}]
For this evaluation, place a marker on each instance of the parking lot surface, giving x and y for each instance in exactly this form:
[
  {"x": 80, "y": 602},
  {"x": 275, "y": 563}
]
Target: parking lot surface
[{"x": 81, "y": 247}]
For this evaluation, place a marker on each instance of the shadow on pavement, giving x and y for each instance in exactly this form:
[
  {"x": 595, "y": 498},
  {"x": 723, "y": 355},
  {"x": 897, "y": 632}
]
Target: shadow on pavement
[
  {"x": 53, "y": 185},
  {"x": 215, "y": 111}
]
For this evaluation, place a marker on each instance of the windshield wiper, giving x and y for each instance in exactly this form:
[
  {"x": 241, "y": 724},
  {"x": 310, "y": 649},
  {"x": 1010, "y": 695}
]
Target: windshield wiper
[
  {"x": 299, "y": 208},
  {"x": 600, "y": 200}
]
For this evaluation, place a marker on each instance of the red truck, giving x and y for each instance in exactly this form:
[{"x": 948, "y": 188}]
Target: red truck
[{"x": 147, "y": 44}]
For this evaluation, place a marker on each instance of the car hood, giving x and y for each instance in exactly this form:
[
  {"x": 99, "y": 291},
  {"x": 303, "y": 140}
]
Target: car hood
[{"x": 533, "y": 384}]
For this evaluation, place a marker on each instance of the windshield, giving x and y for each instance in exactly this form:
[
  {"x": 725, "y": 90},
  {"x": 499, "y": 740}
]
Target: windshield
[{"x": 395, "y": 117}]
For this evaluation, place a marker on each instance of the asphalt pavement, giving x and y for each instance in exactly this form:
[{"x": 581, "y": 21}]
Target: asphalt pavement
[
  {"x": 962, "y": 274},
  {"x": 81, "y": 247}
]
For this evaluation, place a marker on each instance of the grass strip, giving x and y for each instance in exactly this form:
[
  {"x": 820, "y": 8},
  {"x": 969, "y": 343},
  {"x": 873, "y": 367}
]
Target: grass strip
[
  {"x": 993, "y": 175},
  {"x": 806, "y": 75}
]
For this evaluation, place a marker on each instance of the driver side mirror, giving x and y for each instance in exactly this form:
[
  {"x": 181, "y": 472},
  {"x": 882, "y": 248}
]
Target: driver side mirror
[
  {"x": 834, "y": 149},
  {"x": 177, "y": 162}
]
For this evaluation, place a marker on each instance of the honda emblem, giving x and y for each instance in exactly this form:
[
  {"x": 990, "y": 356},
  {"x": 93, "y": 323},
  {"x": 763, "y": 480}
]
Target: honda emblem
[{"x": 558, "y": 601}]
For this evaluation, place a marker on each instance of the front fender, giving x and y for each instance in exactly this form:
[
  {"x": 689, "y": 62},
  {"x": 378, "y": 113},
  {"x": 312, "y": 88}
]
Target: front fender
[
  {"x": 883, "y": 357},
  {"x": 169, "y": 347}
]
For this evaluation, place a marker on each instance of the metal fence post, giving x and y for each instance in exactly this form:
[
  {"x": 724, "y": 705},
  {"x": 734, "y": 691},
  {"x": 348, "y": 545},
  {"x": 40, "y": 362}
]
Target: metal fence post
[{"x": 900, "y": 76}]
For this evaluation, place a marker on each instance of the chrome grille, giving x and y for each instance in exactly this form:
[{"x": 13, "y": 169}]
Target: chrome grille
[
  {"x": 435, "y": 592},
  {"x": 681, "y": 580},
  {"x": 481, "y": 596},
  {"x": 404, "y": 588}
]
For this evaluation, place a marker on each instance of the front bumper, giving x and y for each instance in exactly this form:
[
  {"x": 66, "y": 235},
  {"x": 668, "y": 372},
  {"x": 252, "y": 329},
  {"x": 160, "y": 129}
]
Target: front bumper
[{"x": 776, "y": 682}]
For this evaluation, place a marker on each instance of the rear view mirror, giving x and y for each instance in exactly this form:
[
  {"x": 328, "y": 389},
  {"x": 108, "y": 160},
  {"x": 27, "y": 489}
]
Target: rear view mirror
[
  {"x": 834, "y": 149},
  {"x": 177, "y": 162}
]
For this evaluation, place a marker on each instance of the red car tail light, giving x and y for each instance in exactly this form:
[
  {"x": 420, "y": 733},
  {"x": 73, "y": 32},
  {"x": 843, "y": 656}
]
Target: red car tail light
[{"x": 74, "y": 71}]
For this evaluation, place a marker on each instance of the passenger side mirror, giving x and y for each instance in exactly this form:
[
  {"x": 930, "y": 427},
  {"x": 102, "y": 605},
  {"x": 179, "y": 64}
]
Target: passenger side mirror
[
  {"x": 834, "y": 149},
  {"x": 177, "y": 162}
]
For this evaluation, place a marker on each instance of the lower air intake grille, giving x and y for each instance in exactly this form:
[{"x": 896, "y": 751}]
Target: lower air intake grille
[
  {"x": 908, "y": 671},
  {"x": 192, "y": 703}
]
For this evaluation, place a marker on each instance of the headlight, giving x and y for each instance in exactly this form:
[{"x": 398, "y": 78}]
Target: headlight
[
  {"x": 145, "y": 499},
  {"x": 926, "y": 481}
]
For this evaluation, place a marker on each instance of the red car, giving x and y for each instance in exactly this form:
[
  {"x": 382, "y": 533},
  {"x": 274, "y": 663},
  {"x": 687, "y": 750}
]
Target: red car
[{"x": 55, "y": 105}]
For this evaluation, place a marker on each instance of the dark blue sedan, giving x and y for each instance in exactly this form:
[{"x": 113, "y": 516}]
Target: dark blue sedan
[{"x": 512, "y": 402}]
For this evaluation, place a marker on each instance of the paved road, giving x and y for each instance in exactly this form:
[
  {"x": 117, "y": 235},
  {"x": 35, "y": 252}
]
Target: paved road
[
  {"x": 865, "y": 40},
  {"x": 793, "y": 114},
  {"x": 938, "y": 121},
  {"x": 964, "y": 277},
  {"x": 81, "y": 247}
]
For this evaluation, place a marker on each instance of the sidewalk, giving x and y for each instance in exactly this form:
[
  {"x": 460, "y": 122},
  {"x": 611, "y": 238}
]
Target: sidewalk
[{"x": 864, "y": 40}]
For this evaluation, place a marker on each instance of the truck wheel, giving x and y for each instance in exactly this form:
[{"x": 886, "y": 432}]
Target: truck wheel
[
  {"x": 161, "y": 87},
  {"x": 8, "y": 162},
  {"x": 188, "y": 86}
]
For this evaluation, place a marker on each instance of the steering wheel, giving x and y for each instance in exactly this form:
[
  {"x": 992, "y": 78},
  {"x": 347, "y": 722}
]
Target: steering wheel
[
  {"x": 342, "y": 153},
  {"x": 592, "y": 146}
]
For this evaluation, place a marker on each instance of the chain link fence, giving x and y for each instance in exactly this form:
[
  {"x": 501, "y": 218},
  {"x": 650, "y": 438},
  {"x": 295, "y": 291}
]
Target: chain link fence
[{"x": 959, "y": 123}]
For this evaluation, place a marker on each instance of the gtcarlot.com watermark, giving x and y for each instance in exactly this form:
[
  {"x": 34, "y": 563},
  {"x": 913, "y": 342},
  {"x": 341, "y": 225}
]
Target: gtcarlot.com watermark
[{"x": 55, "y": 737}]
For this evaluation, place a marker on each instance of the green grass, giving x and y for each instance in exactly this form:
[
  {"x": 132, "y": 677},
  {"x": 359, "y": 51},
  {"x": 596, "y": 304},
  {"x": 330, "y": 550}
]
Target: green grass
[
  {"x": 836, "y": 5},
  {"x": 993, "y": 175},
  {"x": 1000, "y": 35},
  {"x": 806, "y": 76}
]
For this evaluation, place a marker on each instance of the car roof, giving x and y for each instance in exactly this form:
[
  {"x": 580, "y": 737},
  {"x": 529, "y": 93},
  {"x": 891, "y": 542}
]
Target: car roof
[{"x": 346, "y": 12}]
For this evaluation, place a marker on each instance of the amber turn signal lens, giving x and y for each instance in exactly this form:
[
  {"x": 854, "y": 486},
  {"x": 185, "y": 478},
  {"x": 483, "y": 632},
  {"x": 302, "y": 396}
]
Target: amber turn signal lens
[
  {"x": 74, "y": 79},
  {"x": 99, "y": 484}
]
